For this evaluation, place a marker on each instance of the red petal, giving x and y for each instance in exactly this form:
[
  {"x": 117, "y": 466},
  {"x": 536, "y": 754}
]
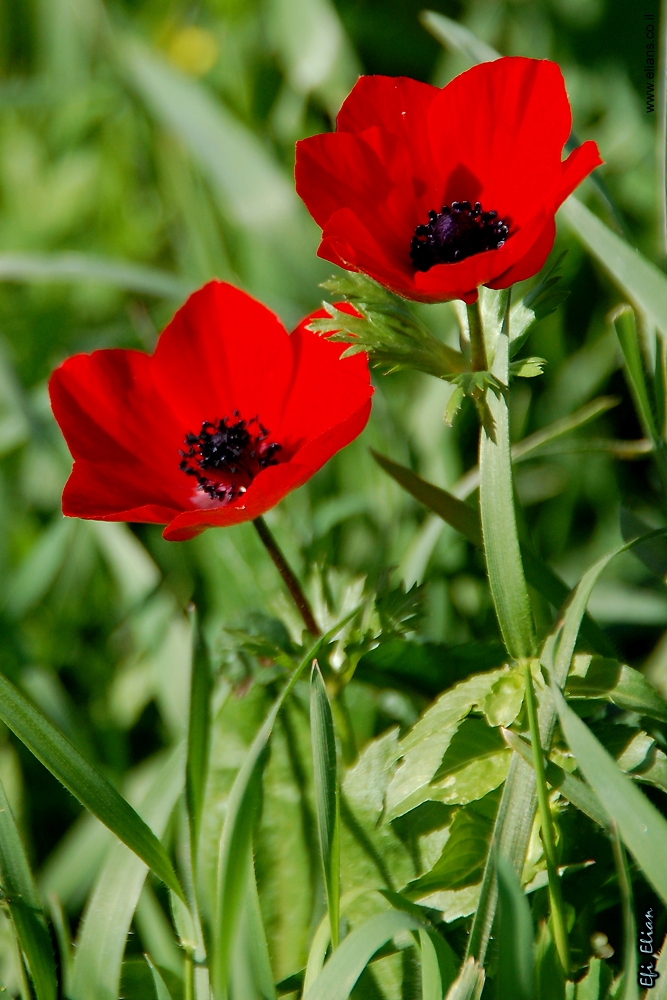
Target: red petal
[{"x": 579, "y": 164}]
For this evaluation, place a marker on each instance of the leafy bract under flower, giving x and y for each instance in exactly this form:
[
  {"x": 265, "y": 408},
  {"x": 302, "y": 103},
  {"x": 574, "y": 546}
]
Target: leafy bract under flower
[
  {"x": 228, "y": 415},
  {"x": 433, "y": 192}
]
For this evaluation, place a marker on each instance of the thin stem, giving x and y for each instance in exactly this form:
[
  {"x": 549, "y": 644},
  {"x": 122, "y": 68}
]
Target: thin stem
[
  {"x": 548, "y": 838},
  {"x": 188, "y": 976},
  {"x": 288, "y": 576},
  {"x": 477, "y": 346}
]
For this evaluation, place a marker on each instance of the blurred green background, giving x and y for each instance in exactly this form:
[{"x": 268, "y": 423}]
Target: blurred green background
[{"x": 147, "y": 146}]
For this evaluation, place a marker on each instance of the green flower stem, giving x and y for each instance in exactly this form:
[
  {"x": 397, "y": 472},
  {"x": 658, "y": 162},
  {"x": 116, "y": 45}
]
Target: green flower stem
[
  {"x": 477, "y": 346},
  {"x": 509, "y": 593},
  {"x": 188, "y": 976},
  {"x": 288, "y": 576},
  {"x": 548, "y": 837}
]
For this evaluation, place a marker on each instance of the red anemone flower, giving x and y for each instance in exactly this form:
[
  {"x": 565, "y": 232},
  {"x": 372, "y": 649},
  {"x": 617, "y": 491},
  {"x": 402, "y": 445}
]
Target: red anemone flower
[
  {"x": 228, "y": 415},
  {"x": 433, "y": 192}
]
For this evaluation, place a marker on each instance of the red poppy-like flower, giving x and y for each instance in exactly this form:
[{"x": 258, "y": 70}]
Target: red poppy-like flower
[
  {"x": 228, "y": 415},
  {"x": 433, "y": 192}
]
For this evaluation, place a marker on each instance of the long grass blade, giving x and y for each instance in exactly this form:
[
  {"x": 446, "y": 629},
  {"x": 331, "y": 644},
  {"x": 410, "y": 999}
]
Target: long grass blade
[
  {"x": 630, "y": 991},
  {"x": 196, "y": 768},
  {"x": 84, "y": 781},
  {"x": 74, "y": 267},
  {"x": 516, "y": 973},
  {"x": 326, "y": 794},
  {"x": 24, "y": 906},
  {"x": 338, "y": 977}
]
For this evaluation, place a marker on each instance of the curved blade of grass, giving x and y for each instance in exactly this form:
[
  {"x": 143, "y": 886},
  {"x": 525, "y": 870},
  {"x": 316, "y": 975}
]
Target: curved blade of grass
[
  {"x": 63, "y": 937},
  {"x": 338, "y": 977},
  {"x": 455, "y": 36},
  {"x": 463, "y": 518},
  {"x": 70, "y": 267},
  {"x": 161, "y": 990},
  {"x": 431, "y": 979},
  {"x": 84, "y": 781},
  {"x": 637, "y": 277},
  {"x": 625, "y": 325},
  {"x": 630, "y": 991},
  {"x": 109, "y": 910},
  {"x": 326, "y": 794},
  {"x": 514, "y": 931},
  {"x": 196, "y": 768},
  {"x": 24, "y": 905},
  {"x": 469, "y": 984},
  {"x": 236, "y": 836},
  {"x": 496, "y": 506},
  {"x": 642, "y": 827}
]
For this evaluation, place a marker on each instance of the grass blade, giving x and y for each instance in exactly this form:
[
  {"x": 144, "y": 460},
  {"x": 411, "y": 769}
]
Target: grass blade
[
  {"x": 625, "y": 325},
  {"x": 63, "y": 936},
  {"x": 24, "y": 905},
  {"x": 338, "y": 977},
  {"x": 642, "y": 827},
  {"x": 84, "y": 781},
  {"x": 431, "y": 980},
  {"x": 514, "y": 927},
  {"x": 630, "y": 991},
  {"x": 469, "y": 984},
  {"x": 71, "y": 267},
  {"x": 110, "y": 907},
  {"x": 161, "y": 990},
  {"x": 463, "y": 518},
  {"x": 196, "y": 769},
  {"x": 496, "y": 505},
  {"x": 326, "y": 794}
]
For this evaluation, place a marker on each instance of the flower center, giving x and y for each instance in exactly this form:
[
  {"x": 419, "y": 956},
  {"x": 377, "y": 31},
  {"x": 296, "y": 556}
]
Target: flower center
[
  {"x": 226, "y": 456},
  {"x": 455, "y": 233}
]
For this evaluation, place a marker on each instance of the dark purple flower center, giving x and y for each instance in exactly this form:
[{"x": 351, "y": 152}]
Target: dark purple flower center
[
  {"x": 455, "y": 233},
  {"x": 226, "y": 456}
]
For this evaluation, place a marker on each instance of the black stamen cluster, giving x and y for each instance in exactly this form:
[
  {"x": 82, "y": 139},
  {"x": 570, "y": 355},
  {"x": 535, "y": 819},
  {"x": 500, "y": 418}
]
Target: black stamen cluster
[
  {"x": 455, "y": 233},
  {"x": 228, "y": 449}
]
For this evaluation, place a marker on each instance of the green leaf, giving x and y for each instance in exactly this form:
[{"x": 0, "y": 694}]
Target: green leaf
[
  {"x": 473, "y": 740},
  {"x": 161, "y": 990},
  {"x": 461, "y": 862},
  {"x": 575, "y": 791},
  {"x": 71, "y": 267},
  {"x": 102, "y": 937},
  {"x": 199, "y": 726},
  {"x": 652, "y": 554},
  {"x": 598, "y": 677},
  {"x": 338, "y": 977},
  {"x": 527, "y": 367},
  {"x": 61, "y": 927},
  {"x": 514, "y": 930},
  {"x": 39, "y": 569},
  {"x": 84, "y": 781},
  {"x": 326, "y": 794},
  {"x": 456, "y": 36},
  {"x": 250, "y": 971},
  {"x": 430, "y": 968},
  {"x": 595, "y": 983},
  {"x": 625, "y": 325},
  {"x": 496, "y": 506},
  {"x": 642, "y": 827},
  {"x": 21, "y": 898}
]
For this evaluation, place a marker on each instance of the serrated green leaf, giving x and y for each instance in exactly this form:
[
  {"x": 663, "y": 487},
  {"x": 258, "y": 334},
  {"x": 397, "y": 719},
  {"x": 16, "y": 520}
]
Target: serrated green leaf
[
  {"x": 514, "y": 930},
  {"x": 461, "y": 862},
  {"x": 84, "y": 781},
  {"x": 338, "y": 977},
  {"x": 527, "y": 367},
  {"x": 474, "y": 739},
  {"x": 21, "y": 898},
  {"x": 326, "y": 794}
]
